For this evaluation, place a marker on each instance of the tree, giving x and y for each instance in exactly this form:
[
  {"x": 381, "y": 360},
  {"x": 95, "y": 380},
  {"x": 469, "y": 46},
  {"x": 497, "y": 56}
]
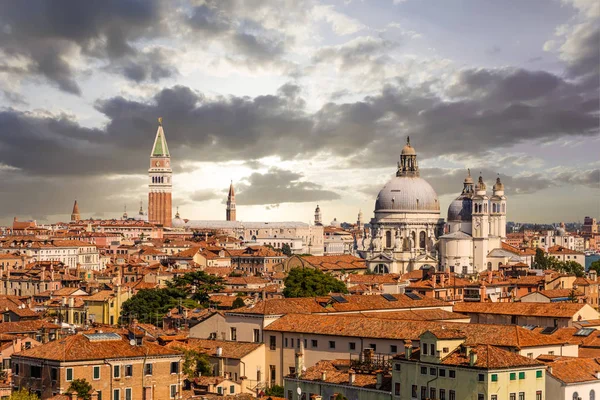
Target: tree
[
  {"x": 195, "y": 363},
  {"x": 541, "y": 260},
  {"x": 149, "y": 305},
  {"x": 275, "y": 390},
  {"x": 309, "y": 282},
  {"x": 82, "y": 387},
  {"x": 572, "y": 296},
  {"x": 197, "y": 285},
  {"x": 287, "y": 250},
  {"x": 595, "y": 266},
  {"x": 238, "y": 302},
  {"x": 571, "y": 267},
  {"x": 23, "y": 394}
]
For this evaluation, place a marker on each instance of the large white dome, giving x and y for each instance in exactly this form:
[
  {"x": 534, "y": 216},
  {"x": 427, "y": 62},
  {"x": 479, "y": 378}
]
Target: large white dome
[{"x": 407, "y": 193}]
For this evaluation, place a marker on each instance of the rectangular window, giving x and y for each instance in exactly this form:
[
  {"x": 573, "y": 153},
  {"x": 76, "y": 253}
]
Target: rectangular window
[
  {"x": 314, "y": 343},
  {"x": 494, "y": 377},
  {"x": 480, "y": 396},
  {"x": 442, "y": 394},
  {"x": 231, "y": 389},
  {"x": 35, "y": 371},
  {"x": 538, "y": 373},
  {"x": 272, "y": 342},
  {"x": 219, "y": 390},
  {"x": 494, "y": 397},
  {"x": 16, "y": 369},
  {"x": 423, "y": 370},
  {"x": 175, "y": 367},
  {"x": 423, "y": 392},
  {"x": 352, "y": 346},
  {"x": 332, "y": 344},
  {"x": 129, "y": 394},
  {"x": 538, "y": 395},
  {"x": 452, "y": 373},
  {"x": 530, "y": 355},
  {"x": 116, "y": 371},
  {"x": 480, "y": 377},
  {"x": 173, "y": 391},
  {"x": 512, "y": 396},
  {"x": 397, "y": 388},
  {"x": 285, "y": 342},
  {"x": 432, "y": 349},
  {"x": 256, "y": 335},
  {"x": 148, "y": 369},
  {"x": 373, "y": 346},
  {"x": 397, "y": 366},
  {"x": 513, "y": 376},
  {"x": 521, "y": 395},
  {"x": 233, "y": 334},
  {"x": 413, "y": 392},
  {"x": 424, "y": 349},
  {"x": 96, "y": 372},
  {"x": 432, "y": 371},
  {"x": 452, "y": 395},
  {"x": 432, "y": 393},
  {"x": 442, "y": 372},
  {"x": 99, "y": 394},
  {"x": 521, "y": 375},
  {"x": 54, "y": 374},
  {"x": 116, "y": 394},
  {"x": 393, "y": 349},
  {"x": 129, "y": 370},
  {"x": 69, "y": 374},
  {"x": 292, "y": 342}
]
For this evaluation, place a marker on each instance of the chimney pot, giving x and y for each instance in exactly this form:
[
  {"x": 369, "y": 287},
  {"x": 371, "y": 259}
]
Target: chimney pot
[
  {"x": 351, "y": 376},
  {"x": 324, "y": 375}
]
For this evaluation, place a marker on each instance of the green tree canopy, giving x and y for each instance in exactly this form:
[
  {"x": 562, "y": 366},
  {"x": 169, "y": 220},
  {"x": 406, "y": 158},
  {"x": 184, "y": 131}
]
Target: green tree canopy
[
  {"x": 82, "y": 387},
  {"x": 238, "y": 302},
  {"x": 287, "y": 250},
  {"x": 308, "y": 282},
  {"x": 195, "y": 363},
  {"x": 275, "y": 390},
  {"x": 197, "y": 285},
  {"x": 595, "y": 266},
  {"x": 543, "y": 261}
]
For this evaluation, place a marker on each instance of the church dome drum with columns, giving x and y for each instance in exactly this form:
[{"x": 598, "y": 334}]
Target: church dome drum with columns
[{"x": 406, "y": 223}]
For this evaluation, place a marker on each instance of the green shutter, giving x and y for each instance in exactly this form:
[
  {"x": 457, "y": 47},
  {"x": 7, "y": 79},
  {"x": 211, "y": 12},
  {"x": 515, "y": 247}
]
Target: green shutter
[
  {"x": 69, "y": 374},
  {"x": 513, "y": 376},
  {"x": 521, "y": 375},
  {"x": 538, "y": 374},
  {"x": 494, "y": 377}
]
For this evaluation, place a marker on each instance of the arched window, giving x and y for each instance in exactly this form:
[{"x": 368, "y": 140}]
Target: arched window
[
  {"x": 388, "y": 239},
  {"x": 381, "y": 269},
  {"x": 414, "y": 238},
  {"x": 592, "y": 394},
  {"x": 489, "y": 266},
  {"x": 575, "y": 396},
  {"x": 422, "y": 239},
  {"x": 503, "y": 207}
]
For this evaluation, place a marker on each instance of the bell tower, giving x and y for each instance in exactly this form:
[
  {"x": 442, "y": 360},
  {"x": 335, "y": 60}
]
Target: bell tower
[
  {"x": 230, "y": 214},
  {"x": 498, "y": 211},
  {"x": 160, "y": 174}
]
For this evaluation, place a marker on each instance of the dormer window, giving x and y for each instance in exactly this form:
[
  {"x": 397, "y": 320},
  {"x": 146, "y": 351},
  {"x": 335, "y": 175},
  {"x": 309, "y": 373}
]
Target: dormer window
[{"x": 424, "y": 349}]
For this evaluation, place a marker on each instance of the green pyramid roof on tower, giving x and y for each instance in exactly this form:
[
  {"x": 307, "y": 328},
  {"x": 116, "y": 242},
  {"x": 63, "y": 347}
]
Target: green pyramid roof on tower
[{"x": 160, "y": 148}]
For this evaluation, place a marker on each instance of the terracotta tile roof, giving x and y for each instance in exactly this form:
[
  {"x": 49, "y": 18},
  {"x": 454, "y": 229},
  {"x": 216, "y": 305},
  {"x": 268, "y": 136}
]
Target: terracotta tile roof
[
  {"x": 562, "y": 310},
  {"x": 340, "y": 262},
  {"x": 562, "y": 250},
  {"x": 80, "y": 348},
  {"x": 25, "y": 326},
  {"x": 430, "y": 314},
  {"x": 573, "y": 369},
  {"x": 236, "y": 350},
  {"x": 374, "y": 279},
  {"x": 355, "y": 303},
  {"x": 558, "y": 293},
  {"x": 102, "y": 295},
  {"x": 341, "y": 376},
  {"x": 490, "y": 357},
  {"x": 351, "y": 325}
]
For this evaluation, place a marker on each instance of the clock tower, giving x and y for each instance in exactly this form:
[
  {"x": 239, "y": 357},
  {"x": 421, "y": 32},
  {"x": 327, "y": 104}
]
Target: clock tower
[{"x": 160, "y": 174}]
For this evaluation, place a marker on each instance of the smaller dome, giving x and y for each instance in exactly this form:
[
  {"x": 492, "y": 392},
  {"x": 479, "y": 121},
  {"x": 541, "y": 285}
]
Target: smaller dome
[
  {"x": 469, "y": 179},
  {"x": 408, "y": 150},
  {"x": 498, "y": 185},
  {"x": 335, "y": 223},
  {"x": 480, "y": 184},
  {"x": 460, "y": 210},
  {"x": 177, "y": 221}
]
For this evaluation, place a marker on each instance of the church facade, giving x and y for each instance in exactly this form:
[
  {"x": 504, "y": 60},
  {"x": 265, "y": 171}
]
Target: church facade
[
  {"x": 404, "y": 231},
  {"x": 476, "y": 228}
]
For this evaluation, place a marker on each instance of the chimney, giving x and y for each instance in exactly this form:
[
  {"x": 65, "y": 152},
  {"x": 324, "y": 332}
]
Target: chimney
[
  {"x": 73, "y": 395},
  {"x": 550, "y": 369},
  {"x": 351, "y": 376},
  {"x": 472, "y": 357},
  {"x": 407, "y": 349},
  {"x": 597, "y": 374},
  {"x": 299, "y": 363},
  {"x": 71, "y": 302},
  {"x": 379, "y": 379},
  {"x": 324, "y": 375}
]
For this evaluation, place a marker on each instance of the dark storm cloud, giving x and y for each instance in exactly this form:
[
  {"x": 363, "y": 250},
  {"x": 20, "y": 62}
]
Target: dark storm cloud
[
  {"x": 49, "y": 35},
  {"x": 280, "y": 186},
  {"x": 151, "y": 66},
  {"x": 364, "y": 51},
  {"x": 41, "y": 197}
]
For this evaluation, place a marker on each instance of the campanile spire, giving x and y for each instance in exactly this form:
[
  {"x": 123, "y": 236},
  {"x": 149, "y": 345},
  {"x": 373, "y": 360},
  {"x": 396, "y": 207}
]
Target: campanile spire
[
  {"x": 160, "y": 186},
  {"x": 230, "y": 212}
]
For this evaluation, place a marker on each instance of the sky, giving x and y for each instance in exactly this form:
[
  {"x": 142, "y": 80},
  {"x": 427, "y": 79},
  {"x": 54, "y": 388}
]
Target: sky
[{"x": 298, "y": 103}]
